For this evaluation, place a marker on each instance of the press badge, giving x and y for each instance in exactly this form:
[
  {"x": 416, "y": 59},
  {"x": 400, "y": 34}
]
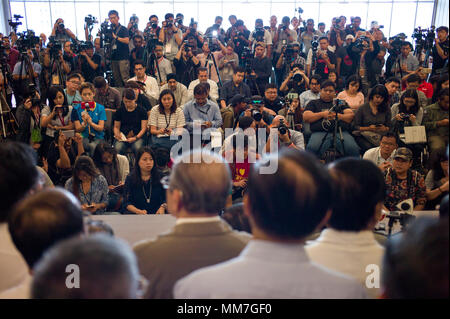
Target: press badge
[{"x": 114, "y": 47}]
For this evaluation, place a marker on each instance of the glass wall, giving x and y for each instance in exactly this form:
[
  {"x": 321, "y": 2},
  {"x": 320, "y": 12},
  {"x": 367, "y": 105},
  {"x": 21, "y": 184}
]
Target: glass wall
[{"x": 395, "y": 15}]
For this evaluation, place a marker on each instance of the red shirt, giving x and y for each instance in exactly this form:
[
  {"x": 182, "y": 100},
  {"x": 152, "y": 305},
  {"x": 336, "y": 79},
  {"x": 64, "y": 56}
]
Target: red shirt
[
  {"x": 426, "y": 88},
  {"x": 239, "y": 171},
  {"x": 12, "y": 58}
]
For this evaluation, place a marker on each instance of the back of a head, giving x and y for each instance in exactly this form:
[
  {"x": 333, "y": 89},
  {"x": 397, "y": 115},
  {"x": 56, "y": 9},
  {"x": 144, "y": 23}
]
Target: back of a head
[
  {"x": 416, "y": 262},
  {"x": 290, "y": 203},
  {"x": 204, "y": 180},
  {"x": 358, "y": 187},
  {"x": 106, "y": 266},
  {"x": 42, "y": 220},
  {"x": 18, "y": 174}
]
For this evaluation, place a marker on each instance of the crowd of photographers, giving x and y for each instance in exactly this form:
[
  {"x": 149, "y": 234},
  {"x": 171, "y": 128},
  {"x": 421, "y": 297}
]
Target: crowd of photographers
[{"x": 331, "y": 92}]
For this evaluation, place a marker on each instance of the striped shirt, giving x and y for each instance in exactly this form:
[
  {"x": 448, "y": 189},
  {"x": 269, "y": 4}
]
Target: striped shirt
[{"x": 173, "y": 120}]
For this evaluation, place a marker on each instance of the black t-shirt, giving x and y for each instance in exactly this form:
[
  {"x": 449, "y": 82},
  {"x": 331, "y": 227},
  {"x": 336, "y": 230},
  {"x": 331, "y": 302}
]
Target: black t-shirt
[
  {"x": 438, "y": 62},
  {"x": 347, "y": 65},
  {"x": 321, "y": 66},
  {"x": 294, "y": 87},
  {"x": 275, "y": 106},
  {"x": 120, "y": 50},
  {"x": 186, "y": 70},
  {"x": 144, "y": 102},
  {"x": 70, "y": 59},
  {"x": 57, "y": 175},
  {"x": 88, "y": 72},
  {"x": 317, "y": 106},
  {"x": 130, "y": 121}
]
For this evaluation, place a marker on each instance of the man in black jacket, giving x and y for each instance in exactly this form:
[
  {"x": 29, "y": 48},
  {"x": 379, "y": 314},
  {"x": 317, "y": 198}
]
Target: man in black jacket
[{"x": 261, "y": 68}]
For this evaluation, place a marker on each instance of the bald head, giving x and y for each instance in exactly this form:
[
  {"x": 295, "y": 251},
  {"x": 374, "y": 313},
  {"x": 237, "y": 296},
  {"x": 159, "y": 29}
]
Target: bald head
[
  {"x": 204, "y": 180},
  {"x": 43, "y": 219}
]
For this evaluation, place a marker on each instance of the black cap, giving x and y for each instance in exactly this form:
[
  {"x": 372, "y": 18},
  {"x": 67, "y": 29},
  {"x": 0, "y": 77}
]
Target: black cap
[{"x": 238, "y": 98}]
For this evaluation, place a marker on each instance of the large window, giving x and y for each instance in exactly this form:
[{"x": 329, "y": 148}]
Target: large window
[{"x": 395, "y": 15}]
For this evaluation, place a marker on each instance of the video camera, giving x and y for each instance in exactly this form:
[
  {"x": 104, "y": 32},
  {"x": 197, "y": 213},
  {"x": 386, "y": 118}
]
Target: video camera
[
  {"x": 54, "y": 47},
  {"x": 14, "y": 24},
  {"x": 424, "y": 37},
  {"x": 396, "y": 45},
  {"x": 247, "y": 59},
  {"x": 106, "y": 33},
  {"x": 26, "y": 40},
  {"x": 90, "y": 20},
  {"x": 362, "y": 43}
]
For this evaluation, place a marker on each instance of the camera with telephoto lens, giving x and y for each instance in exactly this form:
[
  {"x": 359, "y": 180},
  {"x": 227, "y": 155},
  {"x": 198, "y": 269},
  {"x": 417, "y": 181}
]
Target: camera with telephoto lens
[
  {"x": 258, "y": 34},
  {"x": 256, "y": 115},
  {"x": 106, "y": 33},
  {"x": 338, "y": 106},
  {"x": 169, "y": 23},
  {"x": 362, "y": 43},
  {"x": 187, "y": 46},
  {"x": 282, "y": 128},
  {"x": 396, "y": 45},
  {"x": 26, "y": 40},
  {"x": 81, "y": 46},
  {"x": 315, "y": 43},
  {"x": 134, "y": 20}
]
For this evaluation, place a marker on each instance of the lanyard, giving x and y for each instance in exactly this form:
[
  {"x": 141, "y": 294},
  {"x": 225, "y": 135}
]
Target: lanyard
[
  {"x": 165, "y": 117},
  {"x": 61, "y": 119},
  {"x": 203, "y": 112}
]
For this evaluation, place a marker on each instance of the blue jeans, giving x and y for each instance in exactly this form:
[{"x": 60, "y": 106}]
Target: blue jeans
[
  {"x": 163, "y": 142},
  {"x": 89, "y": 147},
  {"x": 122, "y": 147},
  {"x": 350, "y": 146}
]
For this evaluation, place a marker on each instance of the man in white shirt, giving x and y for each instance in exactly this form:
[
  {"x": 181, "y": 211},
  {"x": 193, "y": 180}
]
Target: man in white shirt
[
  {"x": 179, "y": 90},
  {"x": 151, "y": 85},
  {"x": 283, "y": 209},
  {"x": 382, "y": 156},
  {"x": 202, "y": 78},
  {"x": 348, "y": 244},
  {"x": 197, "y": 190}
]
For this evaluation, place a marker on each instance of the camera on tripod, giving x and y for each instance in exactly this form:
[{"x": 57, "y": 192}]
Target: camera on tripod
[
  {"x": 106, "y": 33},
  {"x": 26, "y": 40},
  {"x": 14, "y": 24},
  {"x": 396, "y": 45},
  {"x": 81, "y": 46},
  {"x": 424, "y": 37}
]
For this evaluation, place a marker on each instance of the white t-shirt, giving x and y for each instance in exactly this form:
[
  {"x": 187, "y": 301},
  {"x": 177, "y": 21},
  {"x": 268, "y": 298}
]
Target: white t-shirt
[{"x": 57, "y": 120}]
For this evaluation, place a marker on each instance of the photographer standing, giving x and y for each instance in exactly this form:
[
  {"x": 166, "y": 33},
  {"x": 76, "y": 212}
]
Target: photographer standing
[
  {"x": 89, "y": 63},
  {"x": 440, "y": 50},
  {"x": 239, "y": 36},
  {"x": 25, "y": 74},
  {"x": 207, "y": 62},
  {"x": 221, "y": 35},
  {"x": 61, "y": 33},
  {"x": 137, "y": 53},
  {"x": 336, "y": 35},
  {"x": 28, "y": 117},
  {"x": 163, "y": 68},
  {"x": 261, "y": 68},
  {"x": 120, "y": 52},
  {"x": 171, "y": 37},
  {"x": 325, "y": 60},
  {"x": 307, "y": 36},
  {"x": 261, "y": 35},
  {"x": 408, "y": 62},
  {"x": 354, "y": 28},
  {"x": 186, "y": 65}
]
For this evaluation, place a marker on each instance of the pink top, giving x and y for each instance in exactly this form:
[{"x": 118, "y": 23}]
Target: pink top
[{"x": 353, "y": 101}]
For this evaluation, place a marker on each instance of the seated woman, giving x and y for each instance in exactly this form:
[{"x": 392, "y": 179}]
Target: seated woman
[
  {"x": 130, "y": 124},
  {"x": 352, "y": 93},
  {"x": 332, "y": 76},
  {"x": 115, "y": 168},
  {"x": 165, "y": 119},
  {"x": 143, "y": 192},
  {"x": 62, "y": 154},
  {"x": 88, "y": 186},
  {"x": 436, "y": 181},
  {"x": 293, "y": 114},
  {"x": 56, "y": 116},
  {"x": 89, "y": 118},
  {"x": 407, "y": 112},
  {"x": 373, "y": 119}
]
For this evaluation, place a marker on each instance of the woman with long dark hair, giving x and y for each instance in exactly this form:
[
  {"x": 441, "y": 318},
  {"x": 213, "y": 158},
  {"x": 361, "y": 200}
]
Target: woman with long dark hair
[
  {"x": 293, "y": 114},
  {"x": 436, "y": 181},
  {"x": 88, "y": 186},
  {"x": 143, "y": 192},
  {"x": 442, "y": 83},
  {"x": 56, "y": 115},
  {"x": 352, "y": 93},
  {"x": 165, "y": 120},
  {"x": 115, "y": 168},
  {"x": 408, "y": 111},
  {"x": 373, "y": 119},
  {"x": 28, "y": 116}
]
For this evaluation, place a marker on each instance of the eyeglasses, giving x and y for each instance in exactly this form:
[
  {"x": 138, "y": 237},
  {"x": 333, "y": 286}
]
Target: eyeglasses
[{"x": 75, "y": 83}]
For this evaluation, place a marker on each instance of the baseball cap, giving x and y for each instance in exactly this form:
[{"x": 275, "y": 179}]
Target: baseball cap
[
  {"x": 404, "y": 153},
  {"x": 349, "y": 36}
]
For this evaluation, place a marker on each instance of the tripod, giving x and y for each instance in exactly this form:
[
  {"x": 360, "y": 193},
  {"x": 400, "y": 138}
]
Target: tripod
[
  {"x": 326, "y": 125},
  {"x": 21, "y": 85},
  {"x": 56, "y": 72},
  {"x": 8, "y": 122},
  {"x": 210, "y": 58},
  {"x": 151, "y": 62}
]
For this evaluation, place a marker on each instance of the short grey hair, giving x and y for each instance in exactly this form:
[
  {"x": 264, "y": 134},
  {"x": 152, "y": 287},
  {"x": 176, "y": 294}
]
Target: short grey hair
[
  {"x": 107, "y": 267},
  {"x": 204, "y": 179}
]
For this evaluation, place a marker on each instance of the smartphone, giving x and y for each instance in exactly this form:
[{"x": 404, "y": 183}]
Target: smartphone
[{"x": 69, "y": 133}]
